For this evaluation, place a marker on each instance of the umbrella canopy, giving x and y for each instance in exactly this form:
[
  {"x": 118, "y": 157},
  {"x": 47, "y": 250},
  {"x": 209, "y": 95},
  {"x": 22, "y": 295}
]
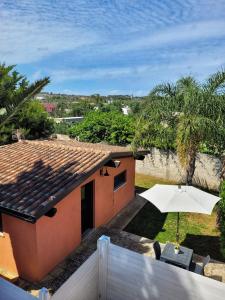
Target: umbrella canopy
[
  {"x": 174, "y": 198},
  {"x": 177, "y": 198}
]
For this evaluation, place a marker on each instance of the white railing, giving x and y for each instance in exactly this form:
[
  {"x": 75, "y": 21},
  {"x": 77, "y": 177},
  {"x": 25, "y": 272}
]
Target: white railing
[
  {"x": 83, "y": 284},
  {"x": 9, "y": 291},
  {"x": 121, "y": 274},
  {"x": 115, "y": 273}
]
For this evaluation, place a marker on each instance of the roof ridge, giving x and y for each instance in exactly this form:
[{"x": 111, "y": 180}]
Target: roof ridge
[{"x": 60, "y": 144}]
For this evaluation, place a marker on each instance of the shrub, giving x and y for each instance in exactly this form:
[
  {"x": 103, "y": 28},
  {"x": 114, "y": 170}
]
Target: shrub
[{"x": 111, "y": 127}]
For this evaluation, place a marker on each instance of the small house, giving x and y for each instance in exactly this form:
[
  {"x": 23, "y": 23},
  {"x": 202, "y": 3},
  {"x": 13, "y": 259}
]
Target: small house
[
  {"x": 49, "y": 107},
  {"x": 51, "y": 194},
  {"x": 126, "y": 110}
]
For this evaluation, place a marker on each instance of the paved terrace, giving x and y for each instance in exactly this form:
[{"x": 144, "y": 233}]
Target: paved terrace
[{"x": 114, "y": 229}]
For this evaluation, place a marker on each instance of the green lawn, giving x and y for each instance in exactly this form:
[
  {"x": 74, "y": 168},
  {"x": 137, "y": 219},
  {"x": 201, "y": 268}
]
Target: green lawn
[{"x": 197, "y": 231}]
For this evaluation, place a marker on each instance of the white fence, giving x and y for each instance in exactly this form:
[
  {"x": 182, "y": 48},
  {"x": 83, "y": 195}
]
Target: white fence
[
  {"x": 83, "y": 284},
  {"x": 135, "y": 276},
  {"x": 9, "y": 291},
  {"x": 115, "y": 273}
]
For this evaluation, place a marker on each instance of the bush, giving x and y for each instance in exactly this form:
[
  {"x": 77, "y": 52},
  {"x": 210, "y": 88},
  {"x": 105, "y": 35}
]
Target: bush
[
  {"x": 33, "y": 118},
  {"x": 32, "y": 121},
  {"x": 222, "y": 218},
  {"x": 111, "y": 127},
  {"x": 62, "y": 128}
]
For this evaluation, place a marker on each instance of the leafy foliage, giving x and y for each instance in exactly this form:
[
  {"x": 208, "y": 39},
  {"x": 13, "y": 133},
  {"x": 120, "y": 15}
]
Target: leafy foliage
[
  {"x": 15, "y": 90},
  {"x": 116, "y": 106},
  {"x": 35, "y": 120},
  {"x": 135, "y": 107},
  {"x": 111, "y": 127},
  {"x": 185, "y": 116},
  {"x": 80, "y": 108},
  {"x": 15, "y": 93},
  {"x": 62, "y": 128}
]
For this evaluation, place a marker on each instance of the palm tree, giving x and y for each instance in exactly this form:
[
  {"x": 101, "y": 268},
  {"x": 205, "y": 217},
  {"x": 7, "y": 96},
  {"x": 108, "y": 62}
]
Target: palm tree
[
  {"x": 15, "y": 90},
  {"x": 186, "y": 116}
]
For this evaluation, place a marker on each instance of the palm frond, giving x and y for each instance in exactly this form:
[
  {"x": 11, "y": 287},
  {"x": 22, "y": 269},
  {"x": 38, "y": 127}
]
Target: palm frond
[
  {"x": 187, "y": 83},
  {"x": 21, "y": 96},
  {"x": 215, "y": 83},
  {"x": 164, "y": 90}
]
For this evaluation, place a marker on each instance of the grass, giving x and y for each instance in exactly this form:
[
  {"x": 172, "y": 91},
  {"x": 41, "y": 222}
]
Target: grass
[{"x": 197, "y": 231}]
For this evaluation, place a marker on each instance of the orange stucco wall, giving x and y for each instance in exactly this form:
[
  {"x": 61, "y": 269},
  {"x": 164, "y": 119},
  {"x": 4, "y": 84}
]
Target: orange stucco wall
[
  {"x": 33, "y": 250},
  {"x": 58, "y": 236},
  {"x": 107, "y": 201},
  {"x": 18, "y": 246}
]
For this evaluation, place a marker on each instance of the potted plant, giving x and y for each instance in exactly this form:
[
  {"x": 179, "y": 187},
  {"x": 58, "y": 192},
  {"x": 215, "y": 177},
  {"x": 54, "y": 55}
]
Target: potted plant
[{"x": 176, "y": 248}]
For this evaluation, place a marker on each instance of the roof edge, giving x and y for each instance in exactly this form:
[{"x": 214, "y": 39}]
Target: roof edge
[
  {"x": 81, "y": 180},
  {"x": 72, "y": 187},
  {"x": 58, "y": 198},
  {"x": 24, "y": 217}
]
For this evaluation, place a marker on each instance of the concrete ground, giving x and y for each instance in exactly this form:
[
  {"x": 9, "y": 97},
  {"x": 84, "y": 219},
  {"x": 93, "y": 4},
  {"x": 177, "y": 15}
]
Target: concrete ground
[{"x": 114, "y": 230}]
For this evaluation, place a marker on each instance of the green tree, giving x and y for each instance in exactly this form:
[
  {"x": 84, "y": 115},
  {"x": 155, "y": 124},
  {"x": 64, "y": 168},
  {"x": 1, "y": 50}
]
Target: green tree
[
  {"x": 62, "y": 128},
  {"x": 115, "y": 106},
  {"x": 97, "y": 99},
  {"x": 61, "y": 109},
  {"x": 111, "y": 127},
  {"x": 135, "y": 107},
  {"x": 34, "y": 119},
  {"x": 15, "y": 90},
  {"x": 81, "y": 108},
  {"x": 186, "y": 116}
]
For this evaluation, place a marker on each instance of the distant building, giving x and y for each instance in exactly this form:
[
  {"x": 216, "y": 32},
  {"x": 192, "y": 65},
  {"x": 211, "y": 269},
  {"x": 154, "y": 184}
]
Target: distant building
[
  {"x": 49, "y": 107},
  {"x": 69, "y": 119},
  {"x": 40, "y": 97},
  {"x": 126, "y": 110}
]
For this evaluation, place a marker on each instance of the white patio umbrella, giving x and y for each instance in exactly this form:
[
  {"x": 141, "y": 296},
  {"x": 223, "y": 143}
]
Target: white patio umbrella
[{"x": 176, "y": 198}]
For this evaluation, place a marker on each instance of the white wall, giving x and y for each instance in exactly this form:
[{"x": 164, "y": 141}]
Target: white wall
[
  {"x": 166, "y": 165},
  {"x": 9, "y": 291},
  {"x": 83, "y": 284},
  {"x": 134, "y": 276},
  {"x": 127, "y": 275}
]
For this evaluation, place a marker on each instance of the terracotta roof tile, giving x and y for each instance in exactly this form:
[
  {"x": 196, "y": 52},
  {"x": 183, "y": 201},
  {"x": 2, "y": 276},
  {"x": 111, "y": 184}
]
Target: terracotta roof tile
[{"x": 34, "y": 175}]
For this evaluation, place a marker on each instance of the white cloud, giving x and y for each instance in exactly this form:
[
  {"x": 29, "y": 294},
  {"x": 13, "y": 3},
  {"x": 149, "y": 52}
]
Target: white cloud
[
  {"x": 106, "y": 92},
  {"x": 26, "y": 40},
  {"x": 189, "y": 63},
  {"x": 172, "y": 36},
  {"x": 26, "y": 37},
  {"x": 90, "y": 73},
  {"x": 123, "y": 44}
]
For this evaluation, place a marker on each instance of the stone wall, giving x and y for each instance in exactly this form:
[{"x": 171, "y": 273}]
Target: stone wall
[{"x": 165, "y": 164}]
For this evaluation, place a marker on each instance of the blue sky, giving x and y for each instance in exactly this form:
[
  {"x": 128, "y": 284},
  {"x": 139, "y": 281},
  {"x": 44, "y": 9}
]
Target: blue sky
[{"x": 112, "y": 47}]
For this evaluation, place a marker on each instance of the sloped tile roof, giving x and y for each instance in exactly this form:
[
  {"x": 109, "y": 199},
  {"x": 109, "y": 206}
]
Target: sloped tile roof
[{"x": 35, "y": 175}]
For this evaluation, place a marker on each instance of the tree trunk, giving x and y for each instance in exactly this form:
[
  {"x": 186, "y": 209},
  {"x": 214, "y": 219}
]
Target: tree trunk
[{"x": 190, "y": 170}]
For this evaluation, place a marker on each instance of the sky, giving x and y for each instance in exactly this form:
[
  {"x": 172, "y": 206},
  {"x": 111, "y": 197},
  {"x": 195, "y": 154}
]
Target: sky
[{"x": 112, "y": 47}]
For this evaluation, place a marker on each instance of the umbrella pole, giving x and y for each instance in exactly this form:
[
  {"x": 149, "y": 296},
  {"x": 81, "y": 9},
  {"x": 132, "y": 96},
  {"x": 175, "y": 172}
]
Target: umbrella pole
[{"x": 177, "y": 233}]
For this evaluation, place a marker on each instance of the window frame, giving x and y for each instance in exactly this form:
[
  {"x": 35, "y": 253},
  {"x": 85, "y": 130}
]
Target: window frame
[{"x": 121, "y": 183}]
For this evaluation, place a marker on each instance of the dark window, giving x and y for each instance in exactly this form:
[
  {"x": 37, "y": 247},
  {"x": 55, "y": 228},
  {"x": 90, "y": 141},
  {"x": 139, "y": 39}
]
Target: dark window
[
  {"x": 1, "y": 228},
  {"x": 120, "y": 179}
]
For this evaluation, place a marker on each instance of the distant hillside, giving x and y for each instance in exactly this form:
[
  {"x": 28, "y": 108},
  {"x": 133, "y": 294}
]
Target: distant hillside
[{"x": 52, "y": 97}]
